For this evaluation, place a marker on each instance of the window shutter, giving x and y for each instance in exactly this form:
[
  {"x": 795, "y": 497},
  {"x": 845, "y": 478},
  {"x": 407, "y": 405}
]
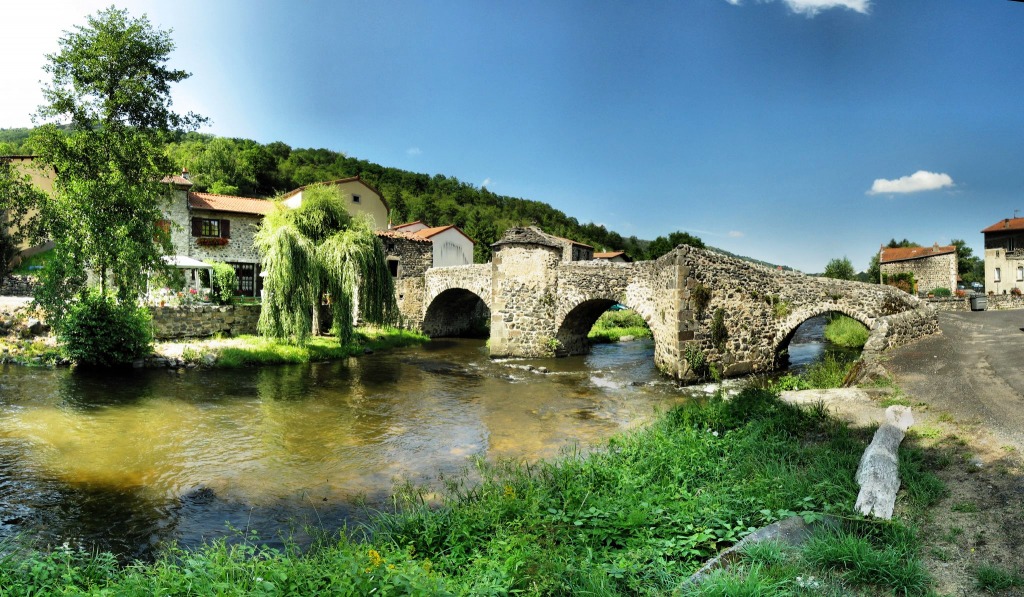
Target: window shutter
[
  {"x": 197, "y": 226},
  {"x": 225, "y": 228}
]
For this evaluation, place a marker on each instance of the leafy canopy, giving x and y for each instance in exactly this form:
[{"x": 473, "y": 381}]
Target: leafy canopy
[
  {"x": 17, "y": 197},
  {"x": 318, "y": 252},
  {"x": 103, "y": 129},
  {"x": 840, "y": 269}
]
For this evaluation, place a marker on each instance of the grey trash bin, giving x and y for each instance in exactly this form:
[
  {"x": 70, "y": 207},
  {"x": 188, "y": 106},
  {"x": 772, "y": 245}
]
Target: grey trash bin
[{"x": 979, "y": 302}]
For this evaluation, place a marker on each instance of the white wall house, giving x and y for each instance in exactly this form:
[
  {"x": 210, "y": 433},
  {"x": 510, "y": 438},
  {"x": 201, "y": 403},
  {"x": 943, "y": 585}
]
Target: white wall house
[{"x": 451, "y": 245}]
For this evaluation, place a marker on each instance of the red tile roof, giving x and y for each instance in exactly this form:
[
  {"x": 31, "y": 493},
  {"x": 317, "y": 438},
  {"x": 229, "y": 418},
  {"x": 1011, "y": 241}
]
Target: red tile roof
[
  {"x": 905, "y": 253},
  {"x": 400, "y": 226},
  {"x": 610, "y": 255},
  {"x": 1006, "y": 224},
  {"x": 432, "y": 232},
  {"x": 241, "y": 205},
  {"x": 404, "y": 235}
]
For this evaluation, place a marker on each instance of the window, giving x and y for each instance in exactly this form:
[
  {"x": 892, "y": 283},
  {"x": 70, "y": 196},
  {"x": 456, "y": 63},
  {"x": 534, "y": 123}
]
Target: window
[
  {"x": 998, "y": 275},
  {"x": 246, "y": 273},
  {"x": 355, "y": 198},
  {"x": 393, "y": 267},
  {"x": 1020, "y": 274},
  {"x": 211, "y": 228}
]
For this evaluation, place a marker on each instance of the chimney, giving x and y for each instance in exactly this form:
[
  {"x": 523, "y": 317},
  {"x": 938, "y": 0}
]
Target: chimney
[{"x": 184, "y": 174}]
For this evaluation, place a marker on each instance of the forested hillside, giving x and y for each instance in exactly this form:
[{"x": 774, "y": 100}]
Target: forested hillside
[{"x": 247, "y": 168}]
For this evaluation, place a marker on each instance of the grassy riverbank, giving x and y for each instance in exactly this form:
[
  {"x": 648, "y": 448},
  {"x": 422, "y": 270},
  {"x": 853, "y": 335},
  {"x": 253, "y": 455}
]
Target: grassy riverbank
[
  {"x": 241, "y": 351},
  {"x": 636, "y": 518},
  {"x": 846, "y": 331},
  {"x": 613, "y": 325}
]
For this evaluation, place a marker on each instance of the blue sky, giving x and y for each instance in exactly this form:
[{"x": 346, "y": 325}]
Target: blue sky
[{"x": 792, "y": 131}]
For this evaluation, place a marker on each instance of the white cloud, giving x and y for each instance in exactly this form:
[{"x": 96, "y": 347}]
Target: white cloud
[
  {"x": 813, "y": 7},
  {"x": 414, "y": 151},
  {"x": 486, "y": 182},
  {"x": 736, "y": 234},
  {"x": 916, "y": 182}
]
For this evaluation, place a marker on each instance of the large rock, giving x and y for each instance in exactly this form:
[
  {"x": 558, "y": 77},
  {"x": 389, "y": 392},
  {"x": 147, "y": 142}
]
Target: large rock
[{"x": 878, "y": 473}]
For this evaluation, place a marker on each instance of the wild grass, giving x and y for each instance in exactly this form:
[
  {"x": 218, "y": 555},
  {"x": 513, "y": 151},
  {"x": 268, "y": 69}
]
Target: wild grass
[
  {"x": 30, "y": 266},
  {"x": 990, "y": 578},
  {"x": 636, "y": 518},
  {"x": 613, "y": 325},
  {"x": 244, "y": 351},
  {"x": 846, "y": 331},
  {"x": 827, "y": 373}
]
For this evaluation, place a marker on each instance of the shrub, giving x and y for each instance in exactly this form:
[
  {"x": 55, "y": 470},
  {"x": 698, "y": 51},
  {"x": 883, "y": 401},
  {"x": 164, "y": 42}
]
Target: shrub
[
  {"x": 97, "y": 330},
  {"x": 701, "y": 295},
  {"x": 719, "y": 333},
  {"x": 224, "y": 283},
  {"x": 1015, "y": 291},
  {"x": 942, "y": 292}
]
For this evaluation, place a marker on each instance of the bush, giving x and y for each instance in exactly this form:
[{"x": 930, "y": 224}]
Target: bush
[
  {"x": 942, "y": 292},
  {"x": 97, "y": 330},
  {"x": 223, "y": 282}
]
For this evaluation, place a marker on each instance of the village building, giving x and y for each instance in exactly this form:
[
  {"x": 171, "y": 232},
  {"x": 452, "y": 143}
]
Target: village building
[
  {"x": 451, "y": 245},
  {"x": 360, "y": 198},
  {"x": 1004, "y": 256},
  {"x": 613, "y": 256},
  {"x": 933, "y": 267}
]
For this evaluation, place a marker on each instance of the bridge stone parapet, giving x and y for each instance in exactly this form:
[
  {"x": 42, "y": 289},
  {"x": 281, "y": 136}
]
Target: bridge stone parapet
[{"x": 707, "y": 311}]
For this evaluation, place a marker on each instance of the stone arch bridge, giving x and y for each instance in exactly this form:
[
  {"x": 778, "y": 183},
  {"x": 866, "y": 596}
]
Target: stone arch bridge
[{"x": 704, "y": 309}]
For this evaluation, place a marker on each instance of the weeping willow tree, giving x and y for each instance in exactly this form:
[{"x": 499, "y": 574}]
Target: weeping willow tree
[{"x": 316, "y": 253}]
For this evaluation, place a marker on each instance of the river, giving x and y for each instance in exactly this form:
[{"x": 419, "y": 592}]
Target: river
[{"x": 128, "y": 461}]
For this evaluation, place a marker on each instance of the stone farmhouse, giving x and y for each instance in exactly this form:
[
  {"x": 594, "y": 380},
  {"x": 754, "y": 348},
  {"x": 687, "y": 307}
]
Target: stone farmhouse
[
  {"x": 206, "y": 226},
  {"x": 1004, "y": 255},
  {"x": 933, "y": 267}
]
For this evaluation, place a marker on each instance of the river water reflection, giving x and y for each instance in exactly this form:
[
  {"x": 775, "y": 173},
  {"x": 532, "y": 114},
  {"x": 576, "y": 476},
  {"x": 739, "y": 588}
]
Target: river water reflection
[{"x": 124, "y": 462}]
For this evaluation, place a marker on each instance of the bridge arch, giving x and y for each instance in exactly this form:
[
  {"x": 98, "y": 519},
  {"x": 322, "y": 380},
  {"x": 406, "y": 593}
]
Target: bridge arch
[
  {"x": 788, "y": 327},
  {"x": 457, "y": 312},
  {"x": 575, "y": 325}
]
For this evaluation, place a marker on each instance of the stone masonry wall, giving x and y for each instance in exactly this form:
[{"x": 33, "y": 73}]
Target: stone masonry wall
[
  {"x": 15, "y": 285},
  {"x": 204, "y": 321},
  {"x": 938, "y": 271},
  {"x": 523, "y": 300}
]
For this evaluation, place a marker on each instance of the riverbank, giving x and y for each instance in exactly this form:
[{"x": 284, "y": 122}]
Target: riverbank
[
  {"x": 25, "y": 340},
  {"x": 636, "y": 518}
]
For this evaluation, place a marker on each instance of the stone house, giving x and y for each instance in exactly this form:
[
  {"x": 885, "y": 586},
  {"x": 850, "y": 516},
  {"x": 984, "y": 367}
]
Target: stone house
[
  {"x": 451, "y": 246},
  {"x": 209, "y": 227},
  {"x": 933, "y": 267},
  {"x": 1004, "y": 255}
]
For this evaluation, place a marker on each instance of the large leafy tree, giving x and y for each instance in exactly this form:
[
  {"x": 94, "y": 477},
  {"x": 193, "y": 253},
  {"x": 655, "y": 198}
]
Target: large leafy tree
[
  {"x": 103, "y": 128},
  {"x": 662, "y": 245},
  {"x": 318, "y": 252},
  {"x": 970, "y": 268},
  {"x": 840, "y": 269}
]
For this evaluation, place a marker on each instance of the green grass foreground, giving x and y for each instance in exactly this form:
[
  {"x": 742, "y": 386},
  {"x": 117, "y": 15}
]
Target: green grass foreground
[
  {"x": 636, "y": 518},
  {"x": 244, "y": 351}
]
